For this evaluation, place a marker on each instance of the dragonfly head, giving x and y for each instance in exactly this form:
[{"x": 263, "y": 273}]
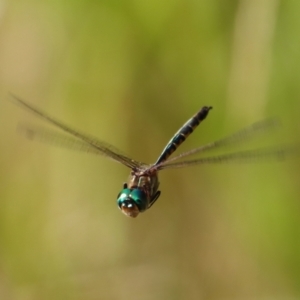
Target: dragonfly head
[{"x": 132, "y": 202}]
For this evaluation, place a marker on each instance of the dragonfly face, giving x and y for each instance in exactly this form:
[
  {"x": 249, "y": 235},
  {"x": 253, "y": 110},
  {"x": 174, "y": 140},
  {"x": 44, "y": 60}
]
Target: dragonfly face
[
  {"x": 132, "y": 201},
  {"x": 139, "y": 194}
]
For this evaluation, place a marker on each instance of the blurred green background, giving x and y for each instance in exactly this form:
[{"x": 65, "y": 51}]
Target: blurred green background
[{"x": 131, "y": 73}]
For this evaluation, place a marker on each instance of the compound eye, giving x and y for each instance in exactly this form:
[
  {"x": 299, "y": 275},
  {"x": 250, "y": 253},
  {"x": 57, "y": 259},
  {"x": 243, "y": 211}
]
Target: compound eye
[
  {"x": 132, "y": 202},
  {"x": 129, "y": 208},
  {"x": 127, "y": 205}
]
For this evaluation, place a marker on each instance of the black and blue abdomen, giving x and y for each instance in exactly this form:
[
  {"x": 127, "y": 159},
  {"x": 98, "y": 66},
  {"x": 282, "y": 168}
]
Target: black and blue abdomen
[{"x": 181, "y": 135}]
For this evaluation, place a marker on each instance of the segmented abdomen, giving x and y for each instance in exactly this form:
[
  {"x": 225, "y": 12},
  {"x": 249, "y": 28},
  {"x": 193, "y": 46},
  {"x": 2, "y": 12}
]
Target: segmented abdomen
[{"x": 181, "y": 135}]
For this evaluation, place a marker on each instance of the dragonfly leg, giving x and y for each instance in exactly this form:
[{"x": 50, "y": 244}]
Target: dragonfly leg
[
  {"x": 154, "y": 198},
  {"x": 125, "y": 185}
]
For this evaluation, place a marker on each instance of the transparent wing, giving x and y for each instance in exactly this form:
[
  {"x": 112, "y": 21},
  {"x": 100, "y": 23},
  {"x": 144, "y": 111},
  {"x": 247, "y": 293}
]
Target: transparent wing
[
  {"x": 79, "y": 140},
  {"x": 262, "y": 154},
  {"x": 52, "y": 137},
  {"x": 240, "y": 136}
]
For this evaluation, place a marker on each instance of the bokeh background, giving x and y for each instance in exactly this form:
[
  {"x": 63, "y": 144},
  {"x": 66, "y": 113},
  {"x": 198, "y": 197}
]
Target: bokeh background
[{"x": 131, "y": 73}]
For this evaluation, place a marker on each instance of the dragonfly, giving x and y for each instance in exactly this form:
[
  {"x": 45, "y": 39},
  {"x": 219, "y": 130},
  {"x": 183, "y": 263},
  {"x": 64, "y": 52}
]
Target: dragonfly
[{"x": 141, "y": 190}]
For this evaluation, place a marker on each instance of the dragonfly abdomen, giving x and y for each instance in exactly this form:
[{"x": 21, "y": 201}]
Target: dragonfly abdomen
[{"x": 181, "y": 135}]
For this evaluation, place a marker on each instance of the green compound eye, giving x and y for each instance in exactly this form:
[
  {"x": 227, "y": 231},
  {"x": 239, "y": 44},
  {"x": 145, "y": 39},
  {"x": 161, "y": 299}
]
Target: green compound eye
[{"x": 132, "y": 202}]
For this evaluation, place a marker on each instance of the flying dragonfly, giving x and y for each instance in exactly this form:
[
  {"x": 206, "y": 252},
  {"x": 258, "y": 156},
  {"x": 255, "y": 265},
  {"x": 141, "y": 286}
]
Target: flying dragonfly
[{"x": 141, "y": 190}]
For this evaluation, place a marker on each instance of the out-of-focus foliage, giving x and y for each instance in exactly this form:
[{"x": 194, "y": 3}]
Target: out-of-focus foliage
[{"x": 130, "y": 73}]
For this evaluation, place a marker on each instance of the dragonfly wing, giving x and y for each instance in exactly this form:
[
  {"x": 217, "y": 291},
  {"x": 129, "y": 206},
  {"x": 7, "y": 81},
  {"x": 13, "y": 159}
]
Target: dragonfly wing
[
  {"x": 76, "y": 140},
  {"x": 256, "y": 155},
  {"x": 243, "y": 135}
]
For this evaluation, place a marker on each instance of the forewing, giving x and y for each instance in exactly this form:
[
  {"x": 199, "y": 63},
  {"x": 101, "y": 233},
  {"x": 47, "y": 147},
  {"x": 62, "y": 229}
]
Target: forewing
[
  {"x": 278, "y": 153},
  {"x": 240, "y": 136},
  {"x": 79, "y": 140}
]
